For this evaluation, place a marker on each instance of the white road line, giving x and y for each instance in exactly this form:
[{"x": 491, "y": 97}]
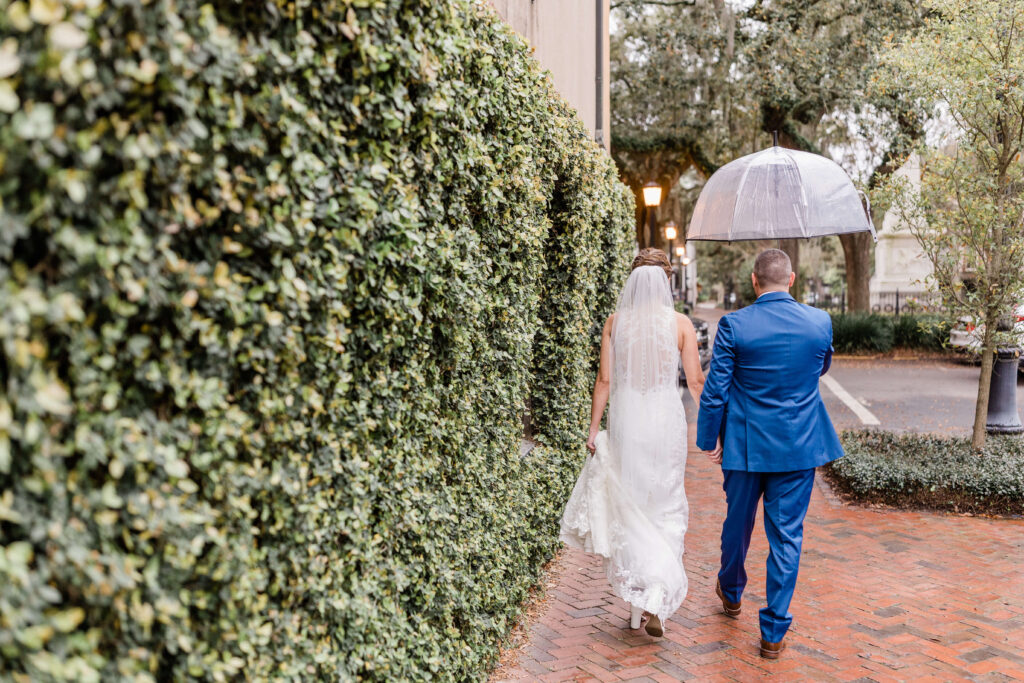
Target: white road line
[{"x": 853, "y": 404}]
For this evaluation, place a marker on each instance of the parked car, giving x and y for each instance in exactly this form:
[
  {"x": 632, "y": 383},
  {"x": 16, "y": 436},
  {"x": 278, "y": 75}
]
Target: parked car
[
  {"x": 966, "y": 335},
  {"x": 703, "y": 346}
]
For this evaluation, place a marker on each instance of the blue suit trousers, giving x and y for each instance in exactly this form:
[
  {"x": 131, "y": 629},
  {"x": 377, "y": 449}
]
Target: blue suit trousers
[{"x": 786, "y": 497}]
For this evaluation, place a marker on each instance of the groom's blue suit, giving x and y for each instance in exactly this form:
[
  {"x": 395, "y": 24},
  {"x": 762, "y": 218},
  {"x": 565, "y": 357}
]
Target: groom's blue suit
[{"x": 761, "y": 398}]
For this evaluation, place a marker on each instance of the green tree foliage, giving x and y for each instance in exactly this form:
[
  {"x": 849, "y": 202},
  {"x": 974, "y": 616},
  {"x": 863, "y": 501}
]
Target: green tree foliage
[
  {"x": 697, "y": 84},
  {"x": 677, "y": 72},
  {"x": 968, "y": 215},
  {"x": 277, "y": 281},
  {"x": 678, "y": 98},
  {"x": 814, "y": 64}
]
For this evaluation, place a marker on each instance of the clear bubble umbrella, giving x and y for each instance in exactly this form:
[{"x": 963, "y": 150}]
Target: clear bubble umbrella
[{"x": 779, "y": 193}]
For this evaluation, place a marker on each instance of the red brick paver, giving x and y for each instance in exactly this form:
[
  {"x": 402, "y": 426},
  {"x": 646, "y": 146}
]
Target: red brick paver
[{"x": 882, "y": 596}]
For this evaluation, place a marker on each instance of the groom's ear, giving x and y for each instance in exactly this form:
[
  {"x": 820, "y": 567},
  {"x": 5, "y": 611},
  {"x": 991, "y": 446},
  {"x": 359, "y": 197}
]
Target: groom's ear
[{"x": 792, "y": 279}]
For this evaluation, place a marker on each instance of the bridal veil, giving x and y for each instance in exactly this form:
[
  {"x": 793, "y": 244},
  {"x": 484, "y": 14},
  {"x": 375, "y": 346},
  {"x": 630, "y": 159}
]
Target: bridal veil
[{"x": 629, "y": 505}]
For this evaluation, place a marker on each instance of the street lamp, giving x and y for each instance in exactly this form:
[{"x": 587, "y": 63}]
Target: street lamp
[
  {"x": 686, "y": 276},
  {"x": 652, "y": 198},
  {"x": 681, "y": 253},
  {"x": 652, "y": 194},
  {"x": 671, "y": 230}
]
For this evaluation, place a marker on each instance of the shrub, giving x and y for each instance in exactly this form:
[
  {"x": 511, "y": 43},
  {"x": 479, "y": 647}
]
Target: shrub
[
  {"x": 853, "y": 332},
  {"x": 928, "y": 332},
  {"x": 278, "y": 280},
  {"x": 857, "y": 332},
  {"x": 921, "y": 470}
]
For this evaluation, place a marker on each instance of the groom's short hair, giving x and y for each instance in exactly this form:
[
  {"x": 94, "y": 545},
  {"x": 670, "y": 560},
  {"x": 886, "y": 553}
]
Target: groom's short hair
[{"x": 772, "y": 268}]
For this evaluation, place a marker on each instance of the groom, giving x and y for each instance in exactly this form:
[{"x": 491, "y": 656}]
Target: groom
[{"x": 762, "y": 418}]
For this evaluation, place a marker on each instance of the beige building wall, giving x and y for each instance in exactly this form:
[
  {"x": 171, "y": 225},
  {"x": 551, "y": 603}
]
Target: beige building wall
[{"x": 564, "y": 35}]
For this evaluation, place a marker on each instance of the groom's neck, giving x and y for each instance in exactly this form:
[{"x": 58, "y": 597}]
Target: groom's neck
[{"x": 770, "y": 291}]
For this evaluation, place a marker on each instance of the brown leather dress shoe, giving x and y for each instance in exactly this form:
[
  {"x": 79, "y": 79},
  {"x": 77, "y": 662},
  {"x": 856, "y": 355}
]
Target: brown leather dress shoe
[
  {"x": 731, "y": 609},
  {"x": 772, "y": 650},
  {"x": 654, "y": 627}
]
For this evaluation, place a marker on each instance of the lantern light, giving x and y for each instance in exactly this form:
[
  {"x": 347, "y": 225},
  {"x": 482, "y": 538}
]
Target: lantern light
[{"x": 652, "y": 194}]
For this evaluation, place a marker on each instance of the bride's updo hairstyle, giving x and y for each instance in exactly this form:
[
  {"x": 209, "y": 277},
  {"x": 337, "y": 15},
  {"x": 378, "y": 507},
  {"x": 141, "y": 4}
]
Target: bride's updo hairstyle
[{"x": 653, "y": 257}]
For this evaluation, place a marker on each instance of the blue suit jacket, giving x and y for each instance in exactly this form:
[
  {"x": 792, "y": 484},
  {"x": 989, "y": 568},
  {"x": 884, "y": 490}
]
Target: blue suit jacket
[{"x": 761, "y": 394}]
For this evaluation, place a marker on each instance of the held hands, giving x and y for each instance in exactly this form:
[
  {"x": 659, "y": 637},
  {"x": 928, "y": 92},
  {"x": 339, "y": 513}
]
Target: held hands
[{"x": 716, "y": 455}]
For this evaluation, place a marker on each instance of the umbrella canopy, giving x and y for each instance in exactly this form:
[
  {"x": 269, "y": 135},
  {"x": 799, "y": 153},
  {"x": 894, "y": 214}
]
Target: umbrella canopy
[{"x": 778, "y": 193}]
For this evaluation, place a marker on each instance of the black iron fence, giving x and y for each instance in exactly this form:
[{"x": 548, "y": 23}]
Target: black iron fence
[
  {"x": 906, "y": 302},
  {"x": 829, "y": 301},
  {"x": 887, "y": 303}
]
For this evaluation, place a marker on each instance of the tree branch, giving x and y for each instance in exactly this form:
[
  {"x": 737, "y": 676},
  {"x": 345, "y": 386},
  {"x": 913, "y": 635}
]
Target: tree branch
[
  {"x": 663, "y": 3},
  {"x": 666, "y": 143},
  {"x": 910, "y": 131}
]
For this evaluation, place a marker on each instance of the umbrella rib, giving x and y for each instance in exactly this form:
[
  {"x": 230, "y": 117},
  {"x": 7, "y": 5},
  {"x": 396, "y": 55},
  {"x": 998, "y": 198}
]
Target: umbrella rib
[
  {"x": 736, "y": 201},
  {"x": 867, "y": 212},
  {"x": 800, "y": 184}
]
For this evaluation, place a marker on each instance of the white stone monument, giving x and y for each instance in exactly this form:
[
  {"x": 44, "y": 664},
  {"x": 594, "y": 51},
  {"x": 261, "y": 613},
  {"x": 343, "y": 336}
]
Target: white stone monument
[{"x": 899, "y": 262}]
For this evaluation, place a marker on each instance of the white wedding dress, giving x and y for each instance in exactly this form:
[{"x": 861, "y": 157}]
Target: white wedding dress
[{"x": 629, "y": 505}]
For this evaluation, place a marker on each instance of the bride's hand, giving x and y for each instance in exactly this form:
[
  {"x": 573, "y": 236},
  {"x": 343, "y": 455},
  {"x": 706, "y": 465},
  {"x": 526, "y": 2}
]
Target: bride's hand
[{"x": 591, "y": 446}]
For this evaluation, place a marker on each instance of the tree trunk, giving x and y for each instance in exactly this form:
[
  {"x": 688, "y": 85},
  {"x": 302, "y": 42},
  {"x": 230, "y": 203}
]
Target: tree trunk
[
  {"x": 857, "y": 254},
  {"x": 988, "y": 354},
  {"x": 792, "y": 249}
]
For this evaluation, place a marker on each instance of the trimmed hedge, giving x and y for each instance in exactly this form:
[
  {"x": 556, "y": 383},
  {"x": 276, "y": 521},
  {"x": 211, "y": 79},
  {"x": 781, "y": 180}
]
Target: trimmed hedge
[
  {"x": 278, "y": 280},
  {"x": 871, "y": 332},
  {"x": 853, "y": 332},
  {"x": 923, "y": 470}
]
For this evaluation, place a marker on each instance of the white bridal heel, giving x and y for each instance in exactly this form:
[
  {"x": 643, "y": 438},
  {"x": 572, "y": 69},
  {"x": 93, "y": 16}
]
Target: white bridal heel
[{"x": 635, "y": 615}]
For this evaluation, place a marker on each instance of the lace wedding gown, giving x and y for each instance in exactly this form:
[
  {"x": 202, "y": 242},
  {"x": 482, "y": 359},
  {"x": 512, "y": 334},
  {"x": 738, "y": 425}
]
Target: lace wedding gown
[{"x": 629, "y": 505}]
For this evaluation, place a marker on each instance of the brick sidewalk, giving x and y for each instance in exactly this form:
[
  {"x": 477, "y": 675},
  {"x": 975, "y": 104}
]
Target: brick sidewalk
[{"x": 882, "y": 596}]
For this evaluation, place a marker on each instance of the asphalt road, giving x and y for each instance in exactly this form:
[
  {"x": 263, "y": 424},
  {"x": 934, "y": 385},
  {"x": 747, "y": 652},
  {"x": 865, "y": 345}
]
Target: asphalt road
[
  {"x": 907, "y": 395},
  {"x": 901, "y": 395}
]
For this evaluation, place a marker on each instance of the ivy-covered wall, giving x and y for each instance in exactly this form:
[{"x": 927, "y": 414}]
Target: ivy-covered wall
[{"x": 277, "y": 280}]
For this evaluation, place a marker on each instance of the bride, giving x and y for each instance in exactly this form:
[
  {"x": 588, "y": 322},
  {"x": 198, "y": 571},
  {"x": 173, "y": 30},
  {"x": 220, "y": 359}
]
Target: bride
[{"x": 628, "y": 505}]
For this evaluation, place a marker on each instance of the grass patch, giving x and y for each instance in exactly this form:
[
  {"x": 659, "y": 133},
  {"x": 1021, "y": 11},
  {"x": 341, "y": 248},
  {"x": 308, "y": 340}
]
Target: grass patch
[{"x": 924, "y": 471}]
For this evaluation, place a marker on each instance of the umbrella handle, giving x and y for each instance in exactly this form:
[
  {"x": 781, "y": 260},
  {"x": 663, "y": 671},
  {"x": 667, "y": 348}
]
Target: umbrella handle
[{"x": 871, "y": 223}]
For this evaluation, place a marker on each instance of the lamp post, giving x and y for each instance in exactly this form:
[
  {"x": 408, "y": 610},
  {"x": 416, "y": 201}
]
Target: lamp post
[
  {"x": 671, "y": 230},
  {"x": 681, "y": 253},
  {"x": 686, "y": 277},
  {"x": 652, "y": 198}
]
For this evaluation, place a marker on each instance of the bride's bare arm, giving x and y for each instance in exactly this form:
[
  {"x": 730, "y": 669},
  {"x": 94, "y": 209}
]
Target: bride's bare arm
[
  {"x": 690, "y": 357},
  {"x": 603, "y": 384}
]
